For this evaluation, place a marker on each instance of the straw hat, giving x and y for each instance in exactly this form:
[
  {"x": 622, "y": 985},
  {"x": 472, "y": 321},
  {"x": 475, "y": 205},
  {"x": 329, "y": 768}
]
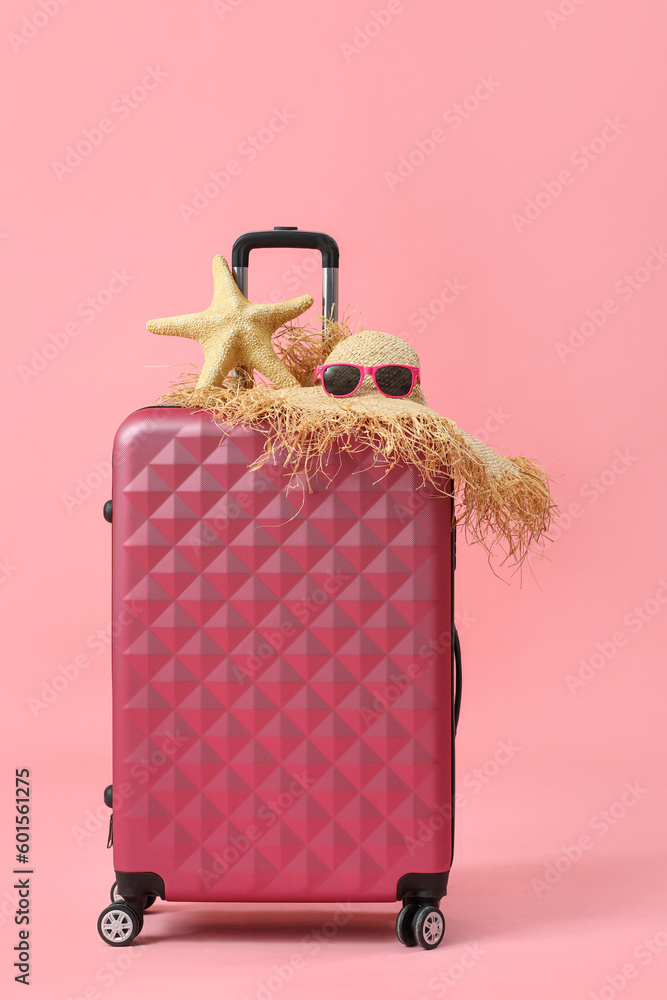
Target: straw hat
[
  {"x": 501, "y": 500},
  {"x": 370, "y": 347}
]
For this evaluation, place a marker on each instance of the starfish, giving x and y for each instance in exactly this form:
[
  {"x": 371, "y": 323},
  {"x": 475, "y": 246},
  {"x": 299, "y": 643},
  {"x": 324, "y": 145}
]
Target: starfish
[{"x": 234, "y": 332}]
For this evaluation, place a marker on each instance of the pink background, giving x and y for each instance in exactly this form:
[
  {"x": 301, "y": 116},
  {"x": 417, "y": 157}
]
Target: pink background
[{"x": 538, "y": 130}]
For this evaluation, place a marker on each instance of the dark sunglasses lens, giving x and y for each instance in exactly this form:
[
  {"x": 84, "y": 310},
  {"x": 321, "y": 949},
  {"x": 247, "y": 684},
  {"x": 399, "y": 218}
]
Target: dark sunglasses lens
[
  {"x": 341, "y": 380},
  {"x": 394, "y": 380}
]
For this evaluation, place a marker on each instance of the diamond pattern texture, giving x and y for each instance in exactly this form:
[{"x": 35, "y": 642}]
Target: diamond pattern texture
[{"x": 281, "y": 669}]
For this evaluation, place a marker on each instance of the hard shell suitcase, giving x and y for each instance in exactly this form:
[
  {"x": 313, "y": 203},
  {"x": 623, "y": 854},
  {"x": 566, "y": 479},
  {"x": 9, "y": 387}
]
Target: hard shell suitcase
[{"x": 284, "y": 677}]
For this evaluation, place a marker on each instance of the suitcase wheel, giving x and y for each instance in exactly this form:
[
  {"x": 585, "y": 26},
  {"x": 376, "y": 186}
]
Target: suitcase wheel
[
  {"x": 404, "y": 924},
  {"x": 116, "y": 897},
  {"x": 119, "y": 924},
  {"x": 422, "y": 925}
]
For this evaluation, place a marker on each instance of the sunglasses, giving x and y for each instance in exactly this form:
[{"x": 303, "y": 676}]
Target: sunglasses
[{"x": 344, "y": 380}]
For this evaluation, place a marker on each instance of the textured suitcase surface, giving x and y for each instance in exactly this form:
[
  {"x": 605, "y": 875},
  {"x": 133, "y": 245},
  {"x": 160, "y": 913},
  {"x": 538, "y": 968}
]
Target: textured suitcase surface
[{"x": 281, "y": 670}]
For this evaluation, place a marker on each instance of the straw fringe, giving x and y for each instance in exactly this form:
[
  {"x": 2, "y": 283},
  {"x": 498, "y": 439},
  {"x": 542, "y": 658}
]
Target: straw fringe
[
  {"x": 503, "y": 502},
  {"x": 302, "y": 348}
]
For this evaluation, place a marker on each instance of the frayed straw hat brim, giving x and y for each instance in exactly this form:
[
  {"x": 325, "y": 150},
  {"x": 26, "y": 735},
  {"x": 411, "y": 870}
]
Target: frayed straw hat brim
[{"x": 500, "y": 500}]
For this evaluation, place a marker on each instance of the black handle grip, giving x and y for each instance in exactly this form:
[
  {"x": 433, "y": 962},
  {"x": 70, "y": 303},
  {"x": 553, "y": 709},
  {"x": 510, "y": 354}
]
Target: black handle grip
[
  {"x": 459, "y": 679},
  {"x": 285, "y": 236}
]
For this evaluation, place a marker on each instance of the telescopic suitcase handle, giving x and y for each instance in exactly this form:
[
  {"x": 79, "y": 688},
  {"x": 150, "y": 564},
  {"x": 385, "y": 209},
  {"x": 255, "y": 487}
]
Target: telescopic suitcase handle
[{"x": 302, "y": 239}]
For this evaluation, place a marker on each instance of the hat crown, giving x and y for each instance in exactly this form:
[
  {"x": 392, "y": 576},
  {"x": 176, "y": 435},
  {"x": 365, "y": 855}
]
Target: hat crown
[{"x": 372, "y": 347}]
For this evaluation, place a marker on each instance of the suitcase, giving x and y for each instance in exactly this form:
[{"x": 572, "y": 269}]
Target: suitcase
[{"x": 286, "y": 671}]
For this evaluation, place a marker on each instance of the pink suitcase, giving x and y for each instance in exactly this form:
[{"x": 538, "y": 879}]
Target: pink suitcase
[{"x": 285, "y": 684}]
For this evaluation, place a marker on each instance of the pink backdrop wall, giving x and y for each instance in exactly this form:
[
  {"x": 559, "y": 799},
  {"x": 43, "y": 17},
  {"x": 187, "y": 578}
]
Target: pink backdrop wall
[{"x": 494, "y": 174}]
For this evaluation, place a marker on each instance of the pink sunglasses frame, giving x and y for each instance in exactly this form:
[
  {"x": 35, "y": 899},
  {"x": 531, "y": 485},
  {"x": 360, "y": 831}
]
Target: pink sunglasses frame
[{"x": 365, "y": 370}]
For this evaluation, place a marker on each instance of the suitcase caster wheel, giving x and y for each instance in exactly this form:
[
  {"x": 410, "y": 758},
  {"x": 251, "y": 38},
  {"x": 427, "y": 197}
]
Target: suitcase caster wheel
[
  {"x": 404, "y": 922},
  {"x": 428, "y": 927},
  {"x": 119, "y": 924},
  {"x": 117, "y": 898}
]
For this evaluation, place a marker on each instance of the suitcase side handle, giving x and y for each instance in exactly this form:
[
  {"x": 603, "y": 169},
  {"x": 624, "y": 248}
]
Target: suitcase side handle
[
  {"x": 302, "y": 239},
  {"x": 459, "y": 679}
]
